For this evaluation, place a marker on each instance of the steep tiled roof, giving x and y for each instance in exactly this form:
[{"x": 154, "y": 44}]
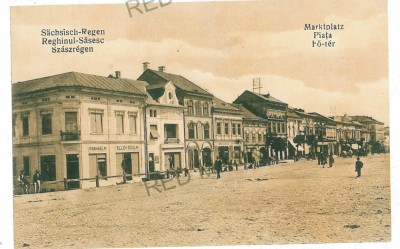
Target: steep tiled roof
[
  {"x": 270, "y": 98},
  {"x": 292, "y": 114},
  {"x": 247, "y": 114},
  {"x": 365, "y": 119},
  {"x": 74, "y": 79},
  {"x": 179, "y": 81},
  {"x": 220, "y": 104},
  {"x": 322, "y": 118}
]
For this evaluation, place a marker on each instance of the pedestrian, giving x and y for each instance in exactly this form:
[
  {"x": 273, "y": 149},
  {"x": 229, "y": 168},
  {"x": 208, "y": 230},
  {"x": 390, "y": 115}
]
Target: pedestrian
[
  {"x": 319, "y": 158},
  {"x": 23, "y": 182},
  {"x": 171, "y": 162},
  {"x": 218, "y": 167},
  {"x": 331, "y": 160},
  {"x": 359, "y": 166},
  {"x": 37, "y": 179}
]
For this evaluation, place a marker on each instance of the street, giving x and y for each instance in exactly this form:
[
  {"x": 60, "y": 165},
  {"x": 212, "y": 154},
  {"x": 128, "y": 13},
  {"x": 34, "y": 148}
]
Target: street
[{"x": 292, "y": 202}]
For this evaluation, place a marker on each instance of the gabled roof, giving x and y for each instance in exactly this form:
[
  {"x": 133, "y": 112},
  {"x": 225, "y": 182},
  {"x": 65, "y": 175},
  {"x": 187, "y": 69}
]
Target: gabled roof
[
  {"x": 247, "y": 114},
  {"x": 180, "y": 82},
  {"x": 366, "y": 120},
  {"x": 321, "y": 118},
  {"x": 74, "y": 79},
  {"x": 247, "y": 95},
  {"x": 220, "y": 104},
  {"x": 292, "y": 114}
]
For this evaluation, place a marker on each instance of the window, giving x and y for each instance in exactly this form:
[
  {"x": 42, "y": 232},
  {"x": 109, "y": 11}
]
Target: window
[
  {"x": 198, "y": 108},
  {"x": 279, "y": 127},
  {"x": 169, "y": 95},
  {"x": 239, "y": 129},
  {"x": 71, "y": 121},
  {"x": 48, "y": 167},
  {"x": 219, "y": 124},
  {"x": 269, "y": 128},
  {"x": 259, "y": 138},
  {"x": 26, "y": 165},
  {"x": 205, "y": 109},
  {"x": 97, "y": 165},
  {"x": 170, "y": 130},
  {"x": 96, "y": 121},
  {"x": 265, "y": 137},
  {"x": 191, "y": 131},
  {"x": 119, "y": 116},
  {"x": 233, "y": 129},
  {"x": 46, "y": 123},
  {"x": 132, "y": 123},
  {"x": 95, "y": 98},
  {"x": 153, "y": 113},
  {"x": 253, "y": 138},
  {"x": 206, "y": 131},
  {"x": 25, "y": 125},
  {"x": 226, "y": 127},
  {"x": 284, "y": 128},
  {"x": 154, "y": 132},
  {"x": 247, "y": 138},
  {"x": 190, "y": 107}
]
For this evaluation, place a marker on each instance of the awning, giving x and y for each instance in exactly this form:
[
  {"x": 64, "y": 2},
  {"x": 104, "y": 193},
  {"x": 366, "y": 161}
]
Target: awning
[
  {"x": 299, "y": 147},
  {"x": 154, "y": 133},
  {"x": 354, "y": 146}
]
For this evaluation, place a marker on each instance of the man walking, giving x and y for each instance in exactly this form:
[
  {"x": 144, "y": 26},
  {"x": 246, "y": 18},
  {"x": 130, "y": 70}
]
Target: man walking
[
  {"x": 218, "y": 167},
  {"x": 359, "y": 166}
]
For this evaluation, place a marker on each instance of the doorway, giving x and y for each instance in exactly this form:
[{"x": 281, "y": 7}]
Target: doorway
[{"x": 73, "y": 170}]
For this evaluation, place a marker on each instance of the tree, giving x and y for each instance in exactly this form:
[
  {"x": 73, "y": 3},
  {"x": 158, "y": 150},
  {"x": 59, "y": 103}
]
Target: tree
[
  {"x": 311, "y": 140},
  {"x": 299, "y": 140}
]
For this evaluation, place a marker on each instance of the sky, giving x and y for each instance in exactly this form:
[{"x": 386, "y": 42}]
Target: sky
[{"x": 222, "y": 46}]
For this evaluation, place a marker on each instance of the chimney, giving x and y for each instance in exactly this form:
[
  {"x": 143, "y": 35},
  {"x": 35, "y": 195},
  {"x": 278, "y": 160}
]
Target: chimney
[
  {"x": 145, "y": 66},
  {"x": 117, "y": 74},
  {"x": 161, "y": 68}
]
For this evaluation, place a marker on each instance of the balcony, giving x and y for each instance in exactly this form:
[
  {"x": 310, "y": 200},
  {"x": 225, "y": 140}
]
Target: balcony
[
  {"x": 171, "y": 140},
  {"x": 70, "y": 135}
]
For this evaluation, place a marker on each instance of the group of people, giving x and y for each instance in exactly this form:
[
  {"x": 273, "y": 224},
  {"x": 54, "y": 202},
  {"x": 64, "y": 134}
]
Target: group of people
[
  {"x": 24, "y": 183},
  {"x": 322, "y": 159}
]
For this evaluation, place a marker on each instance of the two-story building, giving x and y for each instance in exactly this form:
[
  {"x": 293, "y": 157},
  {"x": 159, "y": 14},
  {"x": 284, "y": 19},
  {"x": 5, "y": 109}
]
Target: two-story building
[
  {"x": 164, "y": 128},
  {"x": 76, "y": 125},
  {"x": 274, "y": 111},
  {"x": 325, "y": 132},
  {"x": 348, "y": 133},
  {"x": 295, "y": 127},
  {"x": 228, "y": 130},
  {"x": 306, "y": 129},
  {"x": 197, "y": 102},
  {"x": 254, "y": 136}
]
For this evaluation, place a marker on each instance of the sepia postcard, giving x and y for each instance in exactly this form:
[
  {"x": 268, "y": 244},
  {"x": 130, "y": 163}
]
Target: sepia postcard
[{"x": 164, "y": 123}]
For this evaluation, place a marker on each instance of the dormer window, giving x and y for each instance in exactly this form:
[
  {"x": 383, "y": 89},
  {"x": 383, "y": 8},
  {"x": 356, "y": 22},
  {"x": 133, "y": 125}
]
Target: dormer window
[{"x": 169, "y": 95}]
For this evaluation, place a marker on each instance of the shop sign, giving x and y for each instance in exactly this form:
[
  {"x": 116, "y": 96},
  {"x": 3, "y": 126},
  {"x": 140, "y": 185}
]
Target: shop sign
[
  {"x": 120, "y": 148},
  {"x": 97, "y": 149}
]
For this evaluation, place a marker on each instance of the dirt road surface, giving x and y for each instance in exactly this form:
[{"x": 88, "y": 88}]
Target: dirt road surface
[{"x": 292, "y": 202}]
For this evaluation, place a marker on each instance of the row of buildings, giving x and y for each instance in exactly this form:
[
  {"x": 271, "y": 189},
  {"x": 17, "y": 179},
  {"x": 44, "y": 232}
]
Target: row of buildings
[{"x": 75, "y": 125}]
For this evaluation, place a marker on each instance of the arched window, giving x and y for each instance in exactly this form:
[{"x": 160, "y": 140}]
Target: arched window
[
  {"x": 205, "y": 109},
  {"x": 190, "y": 107},
  {"x": 191, "y": 130},
  {"x": 198, "y": 108},
  {"x": 206, "y": 131}
]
